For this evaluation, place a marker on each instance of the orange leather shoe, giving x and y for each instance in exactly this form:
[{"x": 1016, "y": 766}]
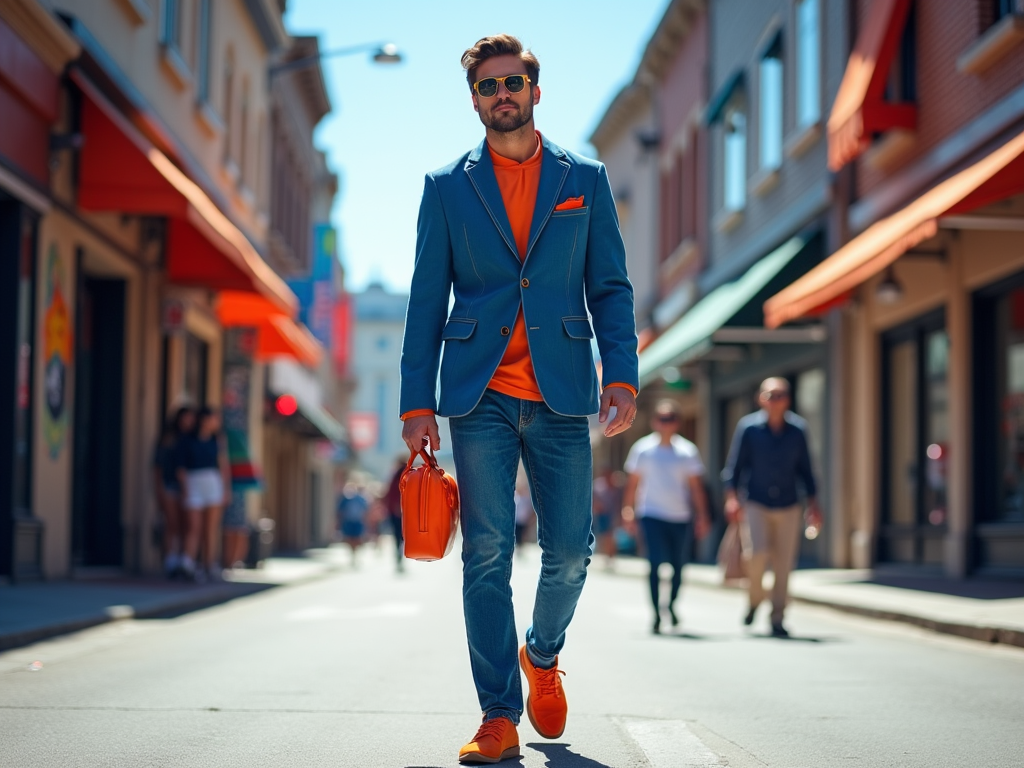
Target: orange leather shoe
[
  {"x": 545, "y": 705},
  {"x": 496, "y": 740}
]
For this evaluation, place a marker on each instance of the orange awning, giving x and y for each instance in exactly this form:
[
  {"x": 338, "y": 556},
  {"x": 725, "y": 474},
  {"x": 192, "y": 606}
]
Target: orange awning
[
  {"x": 860, "y": 110},
  {"x": 120, "y": 170},
  {"x": 998, "y": 175},
  {"x": 278, "y": 334}
]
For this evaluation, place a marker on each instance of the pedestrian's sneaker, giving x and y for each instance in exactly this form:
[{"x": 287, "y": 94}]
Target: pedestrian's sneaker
[
  {"x": 495, "y": 740},
  {"x": 779, "y": 631},
  {"x": 748, "y": 619},
  {"x": 545, "y": 705}
]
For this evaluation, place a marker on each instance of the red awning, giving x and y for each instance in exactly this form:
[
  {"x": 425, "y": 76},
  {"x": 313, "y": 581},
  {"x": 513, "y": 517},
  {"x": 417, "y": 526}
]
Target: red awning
[
  {"x": 860, "y": 109},
  {"x": 997, "y": 176},
  {"x": 278, "y": 334},
  {"x": 119, "y": 170}
]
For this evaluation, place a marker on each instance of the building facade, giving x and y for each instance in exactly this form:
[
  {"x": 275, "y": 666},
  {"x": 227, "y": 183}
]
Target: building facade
[
  {"x": 134, "y": 183},
  {"x": 930, "y": 142}
]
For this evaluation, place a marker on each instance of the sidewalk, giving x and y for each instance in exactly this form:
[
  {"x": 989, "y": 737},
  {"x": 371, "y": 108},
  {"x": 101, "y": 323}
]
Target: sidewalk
[
  {"x": 989, "y": 611},
  {"x": 36, "y": 611}
]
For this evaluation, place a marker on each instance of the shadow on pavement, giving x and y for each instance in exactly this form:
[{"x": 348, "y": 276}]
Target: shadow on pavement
[
  {"x": 225, "y": 594},
  {"x": 795, "y": 638},
  {"x": 559, "y": 756}
]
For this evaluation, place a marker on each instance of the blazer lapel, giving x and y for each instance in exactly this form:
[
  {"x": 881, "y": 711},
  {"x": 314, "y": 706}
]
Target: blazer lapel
[
  {"x": 553, "y": 170},
  {"x": 480, "y": 170}
]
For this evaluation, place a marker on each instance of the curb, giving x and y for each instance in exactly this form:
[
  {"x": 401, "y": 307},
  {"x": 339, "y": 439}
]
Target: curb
[
  {"x": 180, "y": 603},
  {"x": 980, "y": 632}
]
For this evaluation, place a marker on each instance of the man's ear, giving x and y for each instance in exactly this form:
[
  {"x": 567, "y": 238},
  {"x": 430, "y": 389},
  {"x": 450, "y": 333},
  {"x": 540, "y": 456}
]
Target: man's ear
[
  {"x": 536, "y": 94},
  {"x": 476, "y": 104}
]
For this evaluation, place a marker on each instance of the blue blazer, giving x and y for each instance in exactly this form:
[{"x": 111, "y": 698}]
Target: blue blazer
[{"x": 575, "y": 262}]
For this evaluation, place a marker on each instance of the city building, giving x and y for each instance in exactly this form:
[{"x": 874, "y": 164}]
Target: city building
[
  {"x": 135, "y": 195},
  {"x": 926, "y": 136}
]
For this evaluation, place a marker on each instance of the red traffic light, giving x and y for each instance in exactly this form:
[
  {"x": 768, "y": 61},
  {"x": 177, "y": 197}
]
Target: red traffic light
[{"x": 286, "y": 405}]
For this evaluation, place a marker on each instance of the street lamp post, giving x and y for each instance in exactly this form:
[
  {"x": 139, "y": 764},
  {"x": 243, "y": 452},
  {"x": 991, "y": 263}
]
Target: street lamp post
[{"x": 381, "y": 53}]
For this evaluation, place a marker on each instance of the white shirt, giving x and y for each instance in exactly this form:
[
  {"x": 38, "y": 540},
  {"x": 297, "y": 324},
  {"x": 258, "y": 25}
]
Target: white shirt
[{"x": 665, "y": 472}]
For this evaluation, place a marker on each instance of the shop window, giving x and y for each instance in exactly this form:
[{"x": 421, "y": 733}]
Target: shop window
[
  {"x": 915, "y": 450},
  {"x": 770, "y": 112},
  {"x": 808, "y": 63},
  {"x": 735, "y": 157}
]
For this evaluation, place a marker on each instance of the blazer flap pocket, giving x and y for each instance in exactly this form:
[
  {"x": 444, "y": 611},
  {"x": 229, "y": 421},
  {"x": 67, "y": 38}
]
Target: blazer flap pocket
[
  {"x": 582, "y": 211},
  {"x": 578, "y": 327},
  {"x": 459, "y": 328}
]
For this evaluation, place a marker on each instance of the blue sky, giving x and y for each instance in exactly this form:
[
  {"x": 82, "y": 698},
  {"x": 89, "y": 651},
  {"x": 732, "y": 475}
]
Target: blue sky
[{"x": 391, "y": 124}]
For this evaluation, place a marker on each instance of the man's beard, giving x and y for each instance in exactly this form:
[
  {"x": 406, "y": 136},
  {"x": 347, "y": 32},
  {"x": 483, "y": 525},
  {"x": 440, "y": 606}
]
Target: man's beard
[{"x": 507, "y": 122}]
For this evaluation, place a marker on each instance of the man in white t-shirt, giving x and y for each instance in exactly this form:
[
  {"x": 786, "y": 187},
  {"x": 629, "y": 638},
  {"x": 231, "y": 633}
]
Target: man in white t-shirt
[{"x": 665, "y": 491}]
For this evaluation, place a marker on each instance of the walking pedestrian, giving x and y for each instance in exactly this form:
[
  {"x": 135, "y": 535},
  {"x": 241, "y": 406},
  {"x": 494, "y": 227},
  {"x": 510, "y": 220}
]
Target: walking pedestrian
[
  {"x": 526, "y": 236},
  {"x": 609, "y": 488},
  {"x": 393, "y": 506},
  {"x": 353, "y": 508},
  {"x": 665, "y": 491},
  {"x": 205, "y": 478},
  {"x": 168, "y": 489},
  {"x": 768, "y": 460}
]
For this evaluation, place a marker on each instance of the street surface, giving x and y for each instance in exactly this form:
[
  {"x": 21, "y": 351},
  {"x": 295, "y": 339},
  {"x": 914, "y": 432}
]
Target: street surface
[{"x": 368, "y": 668}]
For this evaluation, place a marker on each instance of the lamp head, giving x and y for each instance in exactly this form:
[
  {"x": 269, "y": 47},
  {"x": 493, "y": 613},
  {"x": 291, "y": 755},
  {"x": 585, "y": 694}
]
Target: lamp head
[{"x": 388, "y": 54}]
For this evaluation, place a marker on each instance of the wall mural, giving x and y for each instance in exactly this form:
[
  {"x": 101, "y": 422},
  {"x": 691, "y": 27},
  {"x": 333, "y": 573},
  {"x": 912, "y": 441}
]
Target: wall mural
[{"x": 57, "y": 352}]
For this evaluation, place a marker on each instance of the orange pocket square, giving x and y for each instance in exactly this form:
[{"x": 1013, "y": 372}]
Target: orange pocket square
[{"x": 570, "y": 203}]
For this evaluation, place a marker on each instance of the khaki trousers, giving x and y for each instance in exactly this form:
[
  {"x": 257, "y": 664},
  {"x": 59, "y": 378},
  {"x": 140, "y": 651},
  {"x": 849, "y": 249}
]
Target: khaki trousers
[{"x": 770, "y": 534}]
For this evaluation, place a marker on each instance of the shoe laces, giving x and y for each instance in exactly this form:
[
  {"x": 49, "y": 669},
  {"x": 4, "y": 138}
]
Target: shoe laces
[
  {"x": 493, "y": 728},
  {"x": 547, "y": 682}
]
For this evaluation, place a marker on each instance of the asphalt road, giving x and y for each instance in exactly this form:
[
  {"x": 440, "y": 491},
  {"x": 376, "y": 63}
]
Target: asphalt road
[{"x": 367, "y": 668}]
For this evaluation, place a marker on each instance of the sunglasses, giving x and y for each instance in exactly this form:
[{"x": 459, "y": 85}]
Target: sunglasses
[
  {"x": 667, "y": 418},
  {"x": 769, "y": 396},
  {"x": 488, "y": 87}
]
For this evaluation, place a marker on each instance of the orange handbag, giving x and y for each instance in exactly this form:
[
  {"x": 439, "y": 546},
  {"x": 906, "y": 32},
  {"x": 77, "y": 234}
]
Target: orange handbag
[{"x": 430, "y": 508}]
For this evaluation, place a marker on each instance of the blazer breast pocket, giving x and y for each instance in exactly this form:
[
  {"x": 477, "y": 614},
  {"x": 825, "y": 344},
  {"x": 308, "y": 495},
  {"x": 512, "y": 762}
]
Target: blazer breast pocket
[{"x": 570, "y": 213}]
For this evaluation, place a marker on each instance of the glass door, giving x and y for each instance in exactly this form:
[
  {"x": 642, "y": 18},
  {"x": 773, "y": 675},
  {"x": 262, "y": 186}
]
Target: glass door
[{"x": 915, "y": 430}]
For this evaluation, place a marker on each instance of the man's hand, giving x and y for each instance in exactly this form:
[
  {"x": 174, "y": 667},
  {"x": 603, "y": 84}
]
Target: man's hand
[
  {"x": 419, "y": 427},
  {"x": 625, "y": 410},
  {"x": 702, "y": 526},
  {"x": 733, "y": 508}
]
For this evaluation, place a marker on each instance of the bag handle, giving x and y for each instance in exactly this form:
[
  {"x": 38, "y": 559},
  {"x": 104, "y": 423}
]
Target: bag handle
[{"x": 428, "y": 459}]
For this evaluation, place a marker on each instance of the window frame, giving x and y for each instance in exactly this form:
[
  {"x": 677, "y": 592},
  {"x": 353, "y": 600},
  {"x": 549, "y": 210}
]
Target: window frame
[
  {"x": 736, "y": 107},
  {"x": 772, "y": 53}
]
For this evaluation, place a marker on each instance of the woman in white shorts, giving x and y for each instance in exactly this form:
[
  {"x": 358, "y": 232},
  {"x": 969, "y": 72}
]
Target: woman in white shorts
[{"x": 204, "y": 475}]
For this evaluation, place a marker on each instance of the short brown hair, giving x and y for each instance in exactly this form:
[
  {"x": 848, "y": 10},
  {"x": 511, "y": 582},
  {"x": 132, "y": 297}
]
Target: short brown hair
[{"x": 499, "y": 45}]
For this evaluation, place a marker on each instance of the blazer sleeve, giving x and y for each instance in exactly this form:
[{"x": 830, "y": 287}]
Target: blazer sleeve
[
  {"x": 428, "y": 304},
  {"x": 609, "y": 292}
]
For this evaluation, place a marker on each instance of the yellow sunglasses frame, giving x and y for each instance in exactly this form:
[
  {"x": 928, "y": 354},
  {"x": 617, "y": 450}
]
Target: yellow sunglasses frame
[{"x": 501, "y": 81}]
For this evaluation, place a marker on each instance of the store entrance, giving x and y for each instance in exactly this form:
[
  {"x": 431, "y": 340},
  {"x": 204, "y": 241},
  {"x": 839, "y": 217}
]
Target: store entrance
[
  {"x": 97, "y": 536},
  {"x": 915, "y": 428}
]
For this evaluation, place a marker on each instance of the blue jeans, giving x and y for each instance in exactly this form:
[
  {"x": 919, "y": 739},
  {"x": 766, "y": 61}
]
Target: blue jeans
[
  {"x": 667, "y": 542},
  {"x": 488, "y": 444}
]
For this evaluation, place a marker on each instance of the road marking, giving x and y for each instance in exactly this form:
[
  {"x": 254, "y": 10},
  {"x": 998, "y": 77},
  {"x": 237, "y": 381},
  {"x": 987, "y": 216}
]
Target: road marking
[
  {"x": 670, "y": 744},
  {"x": 385, "y": 610}
]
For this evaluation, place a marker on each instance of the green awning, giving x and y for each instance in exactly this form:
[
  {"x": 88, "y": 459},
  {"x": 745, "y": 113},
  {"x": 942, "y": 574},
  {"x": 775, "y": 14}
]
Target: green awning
[
  {"x": 691, "y": 335},
  {"x": 326, "y": 425}
]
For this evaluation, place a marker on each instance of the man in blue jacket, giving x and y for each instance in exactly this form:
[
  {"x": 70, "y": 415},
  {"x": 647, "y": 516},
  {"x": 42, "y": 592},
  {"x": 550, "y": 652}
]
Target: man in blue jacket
[
  {"x": 526, "y": 236},
  {"x": 768, "y": 463}
]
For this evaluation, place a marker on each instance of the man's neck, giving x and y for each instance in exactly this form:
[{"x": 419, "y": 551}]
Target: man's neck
[
  {"x": 519, "y": 145},
  {"x": 666, "y": 440},
  {"x": 776, "y": 423}
]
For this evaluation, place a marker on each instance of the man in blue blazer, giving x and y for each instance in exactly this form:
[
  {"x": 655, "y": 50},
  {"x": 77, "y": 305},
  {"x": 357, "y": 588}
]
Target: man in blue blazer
[{"x": 526, "y": 236}]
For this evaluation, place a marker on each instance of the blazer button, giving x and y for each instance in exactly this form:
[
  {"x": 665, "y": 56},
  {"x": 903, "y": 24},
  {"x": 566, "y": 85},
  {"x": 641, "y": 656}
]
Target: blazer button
[
  {"x": 525, "y": 283},
  {"x": 505, "y": 331}
]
